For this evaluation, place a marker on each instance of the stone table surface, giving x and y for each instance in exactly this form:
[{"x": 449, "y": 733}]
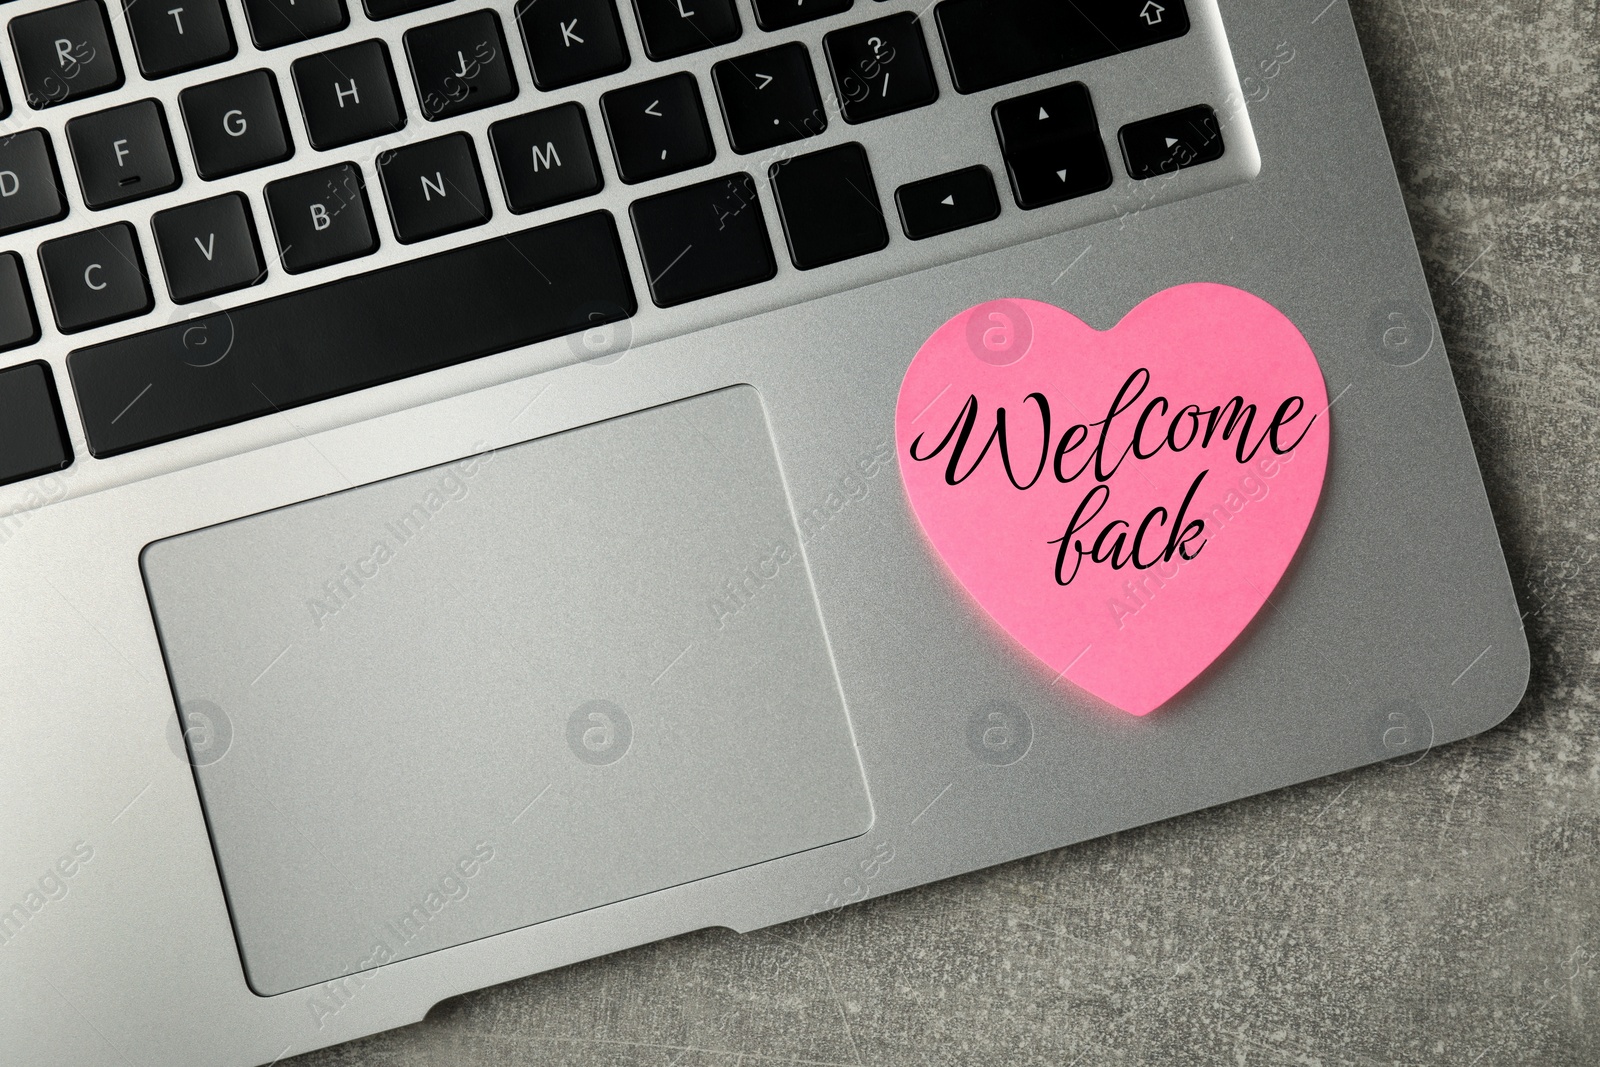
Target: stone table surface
[{"x": 1442, "y": 911}]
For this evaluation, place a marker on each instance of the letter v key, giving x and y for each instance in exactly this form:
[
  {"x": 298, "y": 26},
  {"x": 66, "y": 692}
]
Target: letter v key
[{"x": 209, "y": 248}]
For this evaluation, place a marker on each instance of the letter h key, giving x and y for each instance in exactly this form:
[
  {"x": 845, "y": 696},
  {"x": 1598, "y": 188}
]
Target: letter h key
[{"x": 348, "y": 94}]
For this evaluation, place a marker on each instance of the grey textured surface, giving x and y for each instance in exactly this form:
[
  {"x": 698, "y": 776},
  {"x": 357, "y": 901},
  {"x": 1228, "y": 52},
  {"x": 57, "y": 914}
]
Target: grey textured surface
[{"x": 1437, "y": 910}]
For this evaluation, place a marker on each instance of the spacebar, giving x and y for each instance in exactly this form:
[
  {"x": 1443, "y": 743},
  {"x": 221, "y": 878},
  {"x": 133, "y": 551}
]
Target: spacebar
[{"x": 356, "y": 332}]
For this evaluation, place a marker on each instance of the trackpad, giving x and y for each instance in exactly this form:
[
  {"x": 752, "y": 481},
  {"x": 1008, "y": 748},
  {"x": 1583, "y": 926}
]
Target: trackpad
[{"x": 504, "y": 690}]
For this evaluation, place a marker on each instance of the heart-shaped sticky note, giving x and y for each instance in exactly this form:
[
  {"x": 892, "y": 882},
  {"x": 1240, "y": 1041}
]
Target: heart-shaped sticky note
[{"x": 1121, "y": 502}]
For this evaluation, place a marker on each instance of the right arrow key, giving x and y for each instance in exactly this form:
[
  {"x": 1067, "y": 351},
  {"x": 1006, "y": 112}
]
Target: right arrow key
[
  {"x": 947, "y": 202},
  {"x": 1171, "y": 142}
]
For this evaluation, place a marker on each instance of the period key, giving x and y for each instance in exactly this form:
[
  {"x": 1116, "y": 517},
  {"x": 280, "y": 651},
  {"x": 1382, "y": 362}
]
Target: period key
[{"x": 769, "y": 98}]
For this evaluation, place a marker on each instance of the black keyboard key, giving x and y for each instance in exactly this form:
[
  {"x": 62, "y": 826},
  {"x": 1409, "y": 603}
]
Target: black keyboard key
[
  {"x": 673, "y": 28},
  {"x": 235, "y": 124},
  {"x": 433, "y": 188},
  {"x": 5, "y": 100},
  {"x": 208, "y": 248},
  {"x": 33, "y": 435},
  {"x": 30, "y": 185},
  {"x": 170, "y": 36},
  {"x": 274, "y": 23},
  {"x": 65, "y": 53},
  {"x": 657, "y": 127},
  {"x": 387, "y": 9},
  {"x": 769, "y": 98},
  {"x": 122, "y": 154},
  {"x": 321, "y": 218},
  {"x": 460, "y": 65},
  {"x": 95, "y": 277},
  {"x": 546, "y": 158},
  {"x": 829, "y": 206},
  {"x": 947, "y": 202},
  {"x": 571, "y": 41},
  {"x": 348, "y": 94},
  {"x": 1052, "y": 146},
  {"x": 356, "y": 332},
  {"x": 781, "y": 14},
  {"x": 18, "y": 325},
  {"x": 997, "y": 42},
  {"x": 880, "y": 68},
  {"x": 1171, "y": 142},
  {"x": 702, "y": 240}
]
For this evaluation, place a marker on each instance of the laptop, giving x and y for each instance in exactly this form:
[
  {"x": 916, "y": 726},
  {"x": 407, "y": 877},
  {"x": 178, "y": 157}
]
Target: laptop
[{"x": 493, "y": 484}]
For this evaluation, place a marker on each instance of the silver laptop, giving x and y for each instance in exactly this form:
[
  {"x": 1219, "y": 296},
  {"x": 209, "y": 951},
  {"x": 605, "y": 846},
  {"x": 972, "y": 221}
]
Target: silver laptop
[{"x": 491, "y": 485}]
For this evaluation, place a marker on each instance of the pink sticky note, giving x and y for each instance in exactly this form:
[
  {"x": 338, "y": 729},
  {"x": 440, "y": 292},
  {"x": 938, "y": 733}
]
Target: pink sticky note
[{"x": 1201, "y": 419}]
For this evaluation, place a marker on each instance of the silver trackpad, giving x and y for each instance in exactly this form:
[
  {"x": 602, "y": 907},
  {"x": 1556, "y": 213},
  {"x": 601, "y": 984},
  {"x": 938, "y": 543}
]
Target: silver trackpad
[{"x": 508, "y": 689}]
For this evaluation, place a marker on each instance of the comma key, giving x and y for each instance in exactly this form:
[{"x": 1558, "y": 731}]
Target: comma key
[{"x": 657, "y": 128}]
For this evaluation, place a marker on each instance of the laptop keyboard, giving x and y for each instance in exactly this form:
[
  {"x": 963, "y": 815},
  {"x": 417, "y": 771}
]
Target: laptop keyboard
[{"x": 719, "y": 190}]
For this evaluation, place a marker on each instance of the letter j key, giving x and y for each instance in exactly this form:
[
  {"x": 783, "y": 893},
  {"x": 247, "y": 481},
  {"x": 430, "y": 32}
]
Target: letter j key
[{"x": 460, "y": 65}]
